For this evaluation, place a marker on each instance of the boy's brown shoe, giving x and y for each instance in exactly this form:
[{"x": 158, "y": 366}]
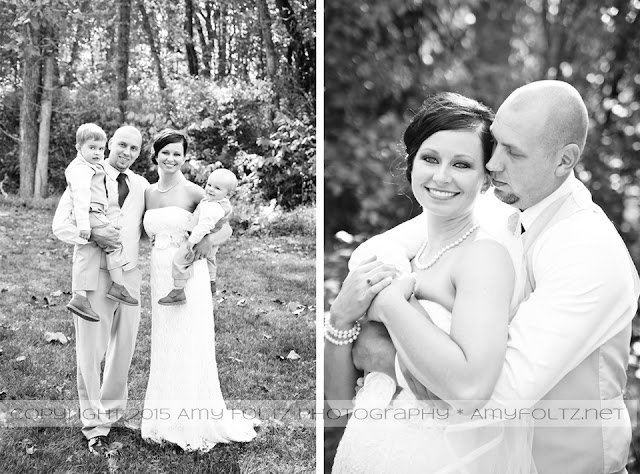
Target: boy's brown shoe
[
  {"x": 80, "y": 305},
  {"x": 175, "y": 297},
  {"x": 120, "y": 294}
]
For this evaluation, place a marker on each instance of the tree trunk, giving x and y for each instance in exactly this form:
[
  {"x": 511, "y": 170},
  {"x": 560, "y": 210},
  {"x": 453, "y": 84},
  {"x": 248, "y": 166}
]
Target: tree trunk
[
  {"x": 211, "y": 31},
  {"x": 155, "y": 53},
  {"x": 29, "y": 111},
  {"x": 267, "y": 38},
  {"x": 192, "y": 57},
  {"x": 302, "y": 54},
  {"x": 204, "y": 44},
  {"x": 75, "y": 49},
  {"x": 493, "y": 32},
  {"x": 221, "y": 15},
  {"x": 122, "y": 68},
  {"x": 42, "y": 166}
]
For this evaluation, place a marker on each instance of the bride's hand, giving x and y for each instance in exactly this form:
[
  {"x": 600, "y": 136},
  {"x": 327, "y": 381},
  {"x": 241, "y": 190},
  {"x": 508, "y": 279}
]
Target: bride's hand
[
  {"x": 358, "y": 290},
  {"x": 405, "y": 284},
  {"x": 402, "y": 286}
]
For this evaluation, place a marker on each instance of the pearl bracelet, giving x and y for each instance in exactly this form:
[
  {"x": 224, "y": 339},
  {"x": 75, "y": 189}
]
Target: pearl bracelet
[
  {"x": 341, "y": 337},
  {"x": 338, "y": 333}
]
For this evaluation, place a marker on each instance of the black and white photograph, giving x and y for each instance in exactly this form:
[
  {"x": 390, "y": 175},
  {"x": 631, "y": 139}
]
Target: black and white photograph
[
  {"x": 157, "y": 236},
  {"x": 481, "y": 236}
]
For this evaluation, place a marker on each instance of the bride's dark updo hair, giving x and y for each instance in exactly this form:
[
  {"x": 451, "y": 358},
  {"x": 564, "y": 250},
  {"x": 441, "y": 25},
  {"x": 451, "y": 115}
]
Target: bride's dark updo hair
[
  {"x": 448, "y": 111},
  {"x": 164, "y": 138}
]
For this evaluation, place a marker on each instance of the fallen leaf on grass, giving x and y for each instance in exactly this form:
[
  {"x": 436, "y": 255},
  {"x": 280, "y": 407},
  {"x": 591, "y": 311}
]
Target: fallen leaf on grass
[
  {"x": 267, "y": 336},
  {"x": 278, "y": 300},
  {"x": 293, "y": 355},
  {"x": 242, "y": 302},
  {"x": 55, "y": 337},
  {"x": 3, "y": 394},
  {"x": 115, "y": 447},
  {"x": 30, "y": 450},
  {"x": 57, "y": 293},
  {"x": 1, "y": 351},
  {"x": 21, "y": 358},
  {"x": 235, "y": 359},
  {"x": 298, "y": 311}
]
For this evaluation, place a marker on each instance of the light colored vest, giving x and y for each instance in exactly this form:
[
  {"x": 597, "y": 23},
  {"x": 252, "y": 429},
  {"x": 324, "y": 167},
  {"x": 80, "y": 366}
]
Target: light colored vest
[
  {"x": 129, "y": 219},
  {"x": 601, "y": 376}
]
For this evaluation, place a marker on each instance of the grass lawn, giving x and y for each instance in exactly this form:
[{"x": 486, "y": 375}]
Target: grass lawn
[{"x": 265, "y": 308}]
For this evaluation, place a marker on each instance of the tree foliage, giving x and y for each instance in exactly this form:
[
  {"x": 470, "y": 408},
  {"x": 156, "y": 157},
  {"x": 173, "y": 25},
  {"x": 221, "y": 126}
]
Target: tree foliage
[
  {"x": 211, "y": 67},
  {"x": 383, "y": 57}
]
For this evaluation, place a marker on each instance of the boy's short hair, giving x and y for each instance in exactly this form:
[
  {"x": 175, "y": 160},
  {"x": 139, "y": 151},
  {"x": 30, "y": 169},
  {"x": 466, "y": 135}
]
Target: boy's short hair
[
  {"x": 89, "y": 131},
  {"x": 228, "y": 177}
]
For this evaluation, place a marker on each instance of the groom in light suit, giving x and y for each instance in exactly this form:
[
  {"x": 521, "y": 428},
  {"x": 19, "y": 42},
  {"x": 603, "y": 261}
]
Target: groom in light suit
[
  {"x": 569, "y": 339},
  {"x": 114, "y": 336}
]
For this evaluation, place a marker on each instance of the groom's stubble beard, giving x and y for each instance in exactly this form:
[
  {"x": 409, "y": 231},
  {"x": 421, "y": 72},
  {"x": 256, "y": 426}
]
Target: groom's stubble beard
[{"x": 507, "y": 198}]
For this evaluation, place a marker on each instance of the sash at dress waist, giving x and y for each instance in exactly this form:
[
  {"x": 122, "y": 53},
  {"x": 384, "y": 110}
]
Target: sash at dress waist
[{"x": 163, "y": 241}]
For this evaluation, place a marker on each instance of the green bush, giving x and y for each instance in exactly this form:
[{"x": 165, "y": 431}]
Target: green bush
[{"x": 229, "y": 123}]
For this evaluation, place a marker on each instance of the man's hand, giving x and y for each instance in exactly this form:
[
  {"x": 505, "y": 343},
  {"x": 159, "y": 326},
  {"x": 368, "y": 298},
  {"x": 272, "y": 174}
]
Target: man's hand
[
  {"x": 84, "y": 234},
  {"x": 107, "y": 236},
  {"x": 373, "y": 351}
]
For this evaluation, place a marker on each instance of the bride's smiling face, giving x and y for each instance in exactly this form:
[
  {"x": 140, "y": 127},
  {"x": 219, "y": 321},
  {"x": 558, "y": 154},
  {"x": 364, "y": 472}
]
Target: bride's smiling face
[
  {"x": 448, "y": 172},
  {"x": 171, "y": 158}
]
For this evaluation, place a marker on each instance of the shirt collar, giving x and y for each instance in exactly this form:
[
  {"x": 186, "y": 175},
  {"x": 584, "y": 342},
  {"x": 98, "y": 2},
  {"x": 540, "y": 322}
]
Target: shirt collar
[
  {"x": 80, "y": 157},
  {"x": 113, "y": 173},
  {"x": 528, "y": 216}
]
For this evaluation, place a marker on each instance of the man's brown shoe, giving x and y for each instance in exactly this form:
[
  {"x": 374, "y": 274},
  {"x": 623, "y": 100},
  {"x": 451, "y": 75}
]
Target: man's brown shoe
[
  {"x": 120, "y": 294},
  {"x": 175, "y": 297},
  {"x": 80, "y": 305}
]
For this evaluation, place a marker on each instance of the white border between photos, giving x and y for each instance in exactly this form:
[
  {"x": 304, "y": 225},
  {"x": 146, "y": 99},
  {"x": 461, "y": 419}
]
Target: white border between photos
[{"x": 319, "y": 236}]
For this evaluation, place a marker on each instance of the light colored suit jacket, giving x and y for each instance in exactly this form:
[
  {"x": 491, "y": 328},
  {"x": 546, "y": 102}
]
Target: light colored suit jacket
[{"x": 129, "y": 218}]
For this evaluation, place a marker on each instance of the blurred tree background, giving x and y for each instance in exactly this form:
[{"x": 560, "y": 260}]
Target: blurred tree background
[
  {"x": 238, "y": 77},
  {"x": 383, "y": 56}
]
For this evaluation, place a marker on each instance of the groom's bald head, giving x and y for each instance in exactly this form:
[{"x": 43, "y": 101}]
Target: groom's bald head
[
  {"x": 555, "y": 110},
  {"x": 539, "y": 133}
]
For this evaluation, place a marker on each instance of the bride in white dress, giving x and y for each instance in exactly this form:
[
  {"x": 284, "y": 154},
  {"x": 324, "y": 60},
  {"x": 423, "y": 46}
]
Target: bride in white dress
[
  {"x": 462, "y": 282},
  {"x": 183, "y": 403}
]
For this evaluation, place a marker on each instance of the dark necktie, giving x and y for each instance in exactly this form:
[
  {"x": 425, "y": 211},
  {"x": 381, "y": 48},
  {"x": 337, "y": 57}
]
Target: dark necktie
[{"x": 123, "y": 189}]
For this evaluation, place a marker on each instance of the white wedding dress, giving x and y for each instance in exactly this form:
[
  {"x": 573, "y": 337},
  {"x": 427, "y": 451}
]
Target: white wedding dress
[
  {"x": 391, "y": 431},
  {"x": 183, "y": 402}
]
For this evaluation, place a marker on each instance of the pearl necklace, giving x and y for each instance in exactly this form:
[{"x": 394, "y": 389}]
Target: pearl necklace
[
  {"x": 442, "y": 251},
  {"x": 170, "y": 187}
]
